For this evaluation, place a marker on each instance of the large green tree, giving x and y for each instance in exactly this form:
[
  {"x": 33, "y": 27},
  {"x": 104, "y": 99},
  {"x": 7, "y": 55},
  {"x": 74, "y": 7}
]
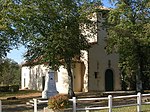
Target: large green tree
[
  {"x": 8, "y": 35},
  {"x": 9, "y": 72},
  {"x": 53, "y": 30},
  {"x": 129, "y": 34}
]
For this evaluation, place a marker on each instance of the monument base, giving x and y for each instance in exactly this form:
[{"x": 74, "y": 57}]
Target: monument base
[
  {"x": 48, "y": 94},
  {"x": 50, "y": 86}
]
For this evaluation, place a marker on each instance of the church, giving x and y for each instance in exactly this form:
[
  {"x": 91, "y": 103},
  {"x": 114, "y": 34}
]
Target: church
[{"x": 96, "y": 71}]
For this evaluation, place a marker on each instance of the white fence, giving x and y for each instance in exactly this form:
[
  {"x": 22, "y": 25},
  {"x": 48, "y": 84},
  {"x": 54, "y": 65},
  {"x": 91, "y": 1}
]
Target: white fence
[
  {"x": 109, "y": 106},
  {"x": 110, "y": 102},
  {"x": 0, "y": 106},
  {"x": 36, "y": 102}
]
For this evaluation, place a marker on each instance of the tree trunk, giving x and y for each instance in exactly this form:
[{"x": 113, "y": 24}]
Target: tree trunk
[
  {"x": 70, "y": 79},
  {"x": 139, "y": 87},
  {"x": 138, "y": 80}
]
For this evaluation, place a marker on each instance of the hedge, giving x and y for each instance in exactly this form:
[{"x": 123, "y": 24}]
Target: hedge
[{"x": 10, "y": 88}]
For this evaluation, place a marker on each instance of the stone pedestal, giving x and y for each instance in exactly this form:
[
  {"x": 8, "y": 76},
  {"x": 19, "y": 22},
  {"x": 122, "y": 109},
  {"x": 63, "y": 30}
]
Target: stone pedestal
[{"x": 50, "y": 86}]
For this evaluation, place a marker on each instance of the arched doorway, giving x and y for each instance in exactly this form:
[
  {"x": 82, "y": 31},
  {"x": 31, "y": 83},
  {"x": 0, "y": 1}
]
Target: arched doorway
[
  {"x": 109, "y": 80},
  {"x": 43, "y": 82}
]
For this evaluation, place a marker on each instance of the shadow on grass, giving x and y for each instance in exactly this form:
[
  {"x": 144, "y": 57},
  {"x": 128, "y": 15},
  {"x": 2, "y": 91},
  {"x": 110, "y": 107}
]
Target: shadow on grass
[{"x": 20, "y": 92}]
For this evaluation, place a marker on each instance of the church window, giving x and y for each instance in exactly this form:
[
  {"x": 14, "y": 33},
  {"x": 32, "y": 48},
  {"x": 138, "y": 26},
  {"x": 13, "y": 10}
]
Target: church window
[{"x": 96, "y": 75}]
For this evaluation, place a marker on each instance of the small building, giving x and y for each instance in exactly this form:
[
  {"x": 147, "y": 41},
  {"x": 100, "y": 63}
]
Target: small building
[{"x": 96, "y": 70}]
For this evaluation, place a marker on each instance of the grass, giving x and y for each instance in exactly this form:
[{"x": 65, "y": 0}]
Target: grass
[
  {"x": 145, "y": 108},
  {"x": 18, "y": 104},
  {"x": 22, "y": 96},
  {"x": 25, "y": 95},
  {"x": 21, "y": 92}
]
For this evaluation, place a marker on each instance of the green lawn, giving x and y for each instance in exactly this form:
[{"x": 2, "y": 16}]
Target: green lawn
[
  {"x": 23, "y": 100},
  {"x": 21, "y": 92},
  {"x": 145, "y": 108},
  {"x": 22, "y": 96}
]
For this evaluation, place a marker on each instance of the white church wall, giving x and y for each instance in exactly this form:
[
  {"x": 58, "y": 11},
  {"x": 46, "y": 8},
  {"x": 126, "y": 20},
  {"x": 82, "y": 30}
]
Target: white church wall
[
  {"x": 25, "y": 77},
  {"x": 62, "y": 83}
]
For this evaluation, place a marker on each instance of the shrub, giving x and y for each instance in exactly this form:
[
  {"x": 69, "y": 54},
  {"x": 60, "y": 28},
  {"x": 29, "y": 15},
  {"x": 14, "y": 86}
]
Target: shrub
[
  {"x": 11, "y": 88},
  {"x": 58, "y": 102},
  {"x": 4, "y": 88},
  {"x": 14, "y": 88}
]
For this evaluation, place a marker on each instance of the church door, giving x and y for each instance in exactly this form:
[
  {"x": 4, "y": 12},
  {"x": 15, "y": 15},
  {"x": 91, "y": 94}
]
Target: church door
[
  {"x": 43, "y": 82},
  {"x": 109, "y": 81}
]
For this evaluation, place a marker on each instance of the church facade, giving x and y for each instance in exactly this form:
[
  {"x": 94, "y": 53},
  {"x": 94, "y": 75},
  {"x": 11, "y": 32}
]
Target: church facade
[{"x": 96, "y": 70}]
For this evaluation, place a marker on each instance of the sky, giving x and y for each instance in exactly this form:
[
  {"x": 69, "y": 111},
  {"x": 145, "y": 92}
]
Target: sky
[{"x": 17, "y": 54}]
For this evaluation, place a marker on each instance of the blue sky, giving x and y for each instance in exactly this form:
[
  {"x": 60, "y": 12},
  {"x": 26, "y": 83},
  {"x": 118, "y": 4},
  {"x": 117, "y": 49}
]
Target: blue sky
[{"x": 17, "y": 54}]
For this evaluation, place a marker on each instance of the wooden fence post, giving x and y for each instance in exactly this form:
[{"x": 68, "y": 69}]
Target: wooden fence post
[
  {"x": 35, "y": 105},
  {"x": 139, "y": 102},
  {"x": 110, "y": 103},
  {"x": 0, "y": 106},
  {"x": 87, "y": 110},
  {"x": 74, "y": 104}
]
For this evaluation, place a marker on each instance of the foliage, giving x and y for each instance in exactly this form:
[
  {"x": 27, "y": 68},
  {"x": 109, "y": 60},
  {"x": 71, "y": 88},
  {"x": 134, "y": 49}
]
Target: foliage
[
  {"x": 9, "y": 72},
  {"x": 52, "y": 30},
  {"x": 129, "y": 35},
  {"x": 8, "y": 34},
  {"x": 14, "y": 88},
  {"x": 58, "y": 102},
  {"x": 10, "y": 88},
  {"x": 4, "y": 88}
]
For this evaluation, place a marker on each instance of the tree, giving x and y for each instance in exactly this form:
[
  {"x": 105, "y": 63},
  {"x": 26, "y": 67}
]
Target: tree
[
  {"x": 129, "y": 35},
  {"x": 9, "y": 72},
  {"x": 8, "y": 34},
  {"x": 53, "y": 30}
]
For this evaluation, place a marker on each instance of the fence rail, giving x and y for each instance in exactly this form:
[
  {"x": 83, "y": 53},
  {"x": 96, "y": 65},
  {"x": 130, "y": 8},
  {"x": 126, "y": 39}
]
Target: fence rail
[
  {"x": 0, "y": 106},
  {"x": 36, "y": 102},
  {"x": 109, "y": 106},
  {"x": 110, "y": 102}
]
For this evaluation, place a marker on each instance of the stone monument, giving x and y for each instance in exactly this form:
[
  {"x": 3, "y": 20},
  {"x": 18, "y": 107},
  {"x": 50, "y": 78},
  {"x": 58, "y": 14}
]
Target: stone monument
[{"x": 50, "y": 86}]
